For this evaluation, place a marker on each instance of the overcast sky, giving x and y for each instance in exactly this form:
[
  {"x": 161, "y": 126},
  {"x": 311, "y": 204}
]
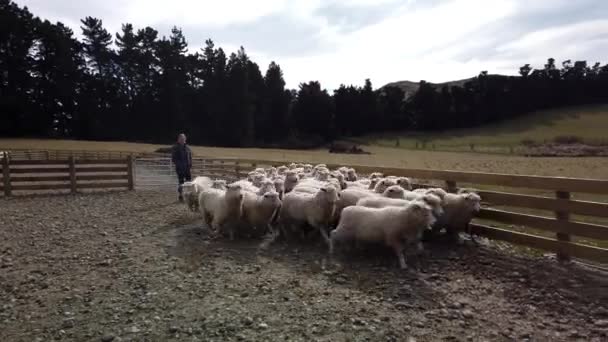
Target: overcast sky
[{"x": 340, "y": 41}]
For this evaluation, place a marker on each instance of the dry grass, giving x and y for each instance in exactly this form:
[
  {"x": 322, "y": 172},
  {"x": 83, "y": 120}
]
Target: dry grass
[
  {"x": 587, "y": 122},
  {"x": 381, "y": 156}
]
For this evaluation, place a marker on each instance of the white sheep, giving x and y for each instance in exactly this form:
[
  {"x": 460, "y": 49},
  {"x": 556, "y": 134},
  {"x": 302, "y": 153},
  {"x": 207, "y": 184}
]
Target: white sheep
[
  {"x": 383, "y": 184},
  {"x": 281, "y": 169},
  {"x": 375, "y": 175},
  {"x": 350, "y": 197},
  {"x": 404, "y": 182},
  {"x": 343, "y": 170},
  {"x": 259, "y": 211},
  {"x": 279, "y": 186},
  {"x": 251, "y": 175},
  {"x": 307, "y": 168},
  {"x": 394, "y": 191},
  {"x": 390, "y": 225},
  {"x": 271, "y": 172},
  {"x": 351, "y": 175},
  {"x": 439, "y": 192},
  {"x": 221, "y": 207},
  {"x": 382, "y": 202},
  {"x": 266, "y": 186},
  {"x": 247, "y": 186},
  {"x": 340, "y": 177},
  {"x": 258, "y": 179},
  {"x": 291, "y": 179},
  {"x": 315, "y": 210},
  {"x": 458, "y": 211},
  {"x": 190, "y": 192}
]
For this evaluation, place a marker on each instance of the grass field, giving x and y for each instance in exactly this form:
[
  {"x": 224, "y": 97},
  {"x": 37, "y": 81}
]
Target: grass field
[
  {"x": 588, "y": 123},
  {"x": 586, "y": 167}
]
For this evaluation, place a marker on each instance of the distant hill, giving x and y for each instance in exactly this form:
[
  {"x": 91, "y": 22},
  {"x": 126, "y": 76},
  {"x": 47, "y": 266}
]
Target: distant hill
[{"x": 409, "y": 87}]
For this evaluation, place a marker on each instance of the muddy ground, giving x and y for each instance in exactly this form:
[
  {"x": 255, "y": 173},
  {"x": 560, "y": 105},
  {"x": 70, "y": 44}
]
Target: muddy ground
[{"x": 138, "y": 266}]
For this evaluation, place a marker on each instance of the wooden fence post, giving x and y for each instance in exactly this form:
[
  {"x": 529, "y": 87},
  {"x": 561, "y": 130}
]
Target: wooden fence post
[
  {"x": 130, "y": 173},
  {"x": 47, "y": 155},
  {"x": 237, "y": 170},
  {"x": 72, "y": 164},
  {"x": 562, "y": 216},
  {"x": 451, "y": 186},
  {"x": 6, "y": 175}
]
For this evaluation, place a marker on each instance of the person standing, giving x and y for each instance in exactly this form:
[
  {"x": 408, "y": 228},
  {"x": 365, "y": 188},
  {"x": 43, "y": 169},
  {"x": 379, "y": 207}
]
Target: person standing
[{"x": 181, "y": 155}]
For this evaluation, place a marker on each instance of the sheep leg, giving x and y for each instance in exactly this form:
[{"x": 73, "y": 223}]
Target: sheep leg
[
  {"x": 324, "y": 235},
  {"x": 397, "y": 246},
  {"x": 470, "y": 232}
]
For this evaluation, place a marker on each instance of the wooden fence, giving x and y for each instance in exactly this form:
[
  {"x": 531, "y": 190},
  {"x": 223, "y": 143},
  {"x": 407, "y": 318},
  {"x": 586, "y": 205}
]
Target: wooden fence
[
  {"x": 70, "y": 174},
  {"x": 17, "y": 154},
  {"x": 559, "y": 229}
]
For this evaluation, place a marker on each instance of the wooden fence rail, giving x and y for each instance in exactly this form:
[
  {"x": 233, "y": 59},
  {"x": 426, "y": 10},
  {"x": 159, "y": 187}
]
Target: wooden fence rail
[
  {"x": 562, "y": 226},
  {"x": 68, "y": 174}
]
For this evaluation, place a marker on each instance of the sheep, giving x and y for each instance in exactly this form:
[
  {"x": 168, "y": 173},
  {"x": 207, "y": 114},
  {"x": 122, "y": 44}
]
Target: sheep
[
  {"x": 340, "y": 177},
  {"x": 279, "y": 186},
  {"x": 343, "y": 170},
  {"x": 247, "y": 186},
  {"x": 190, "y": 191},
  {"x": 322, "y": 175},
  {"x": 394, "y": 191},
  {"x": 266, "y": 186},
  {"x": 356, "y": 185},
  {"x": 315, "y": 210},
  {"x": 351, "y": 175},
  {"x": 260, "y": 170},
  {"x": 383, "y": 184},
  {"x": 220, "y": 207},
  {"x": 291, "y": 179},
  {"x": 271, "y": 172},
  {"x": 458, "y": 211},
  {"x": 259, "y": 211},
  {"x": 350, "y": 197},
  {"x": 404, "y": 182},
  {"x": 382, "y": 202},
  {"x": 281, "y": 170},
  {"x": 375, "y": 175},
  {"x": 373, "y": 182},
  {"x": 292, "y": 166},
  {"x": 219, "y": 184},
  {"x": 258, "y": 179},
  {"x": 316, "y": 184},
  {"x": 251, "y": 175},
  {"x": 307, "y": 168},
  {"x": 390, "y": 225}
]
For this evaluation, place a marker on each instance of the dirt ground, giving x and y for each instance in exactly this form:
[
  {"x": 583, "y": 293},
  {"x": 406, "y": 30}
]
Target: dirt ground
[{"x": 138, "y": 266}]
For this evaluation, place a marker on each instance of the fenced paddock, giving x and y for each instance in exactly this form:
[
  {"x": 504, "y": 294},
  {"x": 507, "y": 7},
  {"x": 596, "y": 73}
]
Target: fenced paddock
[
  {"x": 559, "y": 223},
  {"x": 543, "y": 213}
]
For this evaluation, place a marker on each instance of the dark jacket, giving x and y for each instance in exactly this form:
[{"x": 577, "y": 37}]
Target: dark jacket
[{"x": 181, "y": 155}]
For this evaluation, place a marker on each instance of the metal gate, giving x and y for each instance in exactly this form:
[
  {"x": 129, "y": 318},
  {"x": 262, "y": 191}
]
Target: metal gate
[{"x": 159, "y": 173}]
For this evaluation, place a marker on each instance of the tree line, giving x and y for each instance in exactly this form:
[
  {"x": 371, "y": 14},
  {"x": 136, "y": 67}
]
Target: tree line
[{"x": 139, "y": 86}]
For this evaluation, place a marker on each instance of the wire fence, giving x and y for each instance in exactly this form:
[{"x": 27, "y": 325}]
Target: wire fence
[{"x": 159, "y": 173}]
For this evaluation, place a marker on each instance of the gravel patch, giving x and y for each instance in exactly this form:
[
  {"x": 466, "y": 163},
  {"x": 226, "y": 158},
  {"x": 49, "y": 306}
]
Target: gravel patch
[{"x": 135, "y": 266}]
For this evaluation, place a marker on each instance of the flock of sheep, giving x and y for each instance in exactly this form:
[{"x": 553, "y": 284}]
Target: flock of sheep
[{"x": 301, "y": 199}]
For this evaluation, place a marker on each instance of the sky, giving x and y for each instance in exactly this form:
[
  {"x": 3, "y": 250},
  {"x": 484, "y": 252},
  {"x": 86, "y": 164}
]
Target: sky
[{"x": 344, "y": 42}]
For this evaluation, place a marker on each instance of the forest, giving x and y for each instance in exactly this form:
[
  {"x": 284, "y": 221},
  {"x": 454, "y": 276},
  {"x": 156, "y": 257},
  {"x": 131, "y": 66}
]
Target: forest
[{"x": 137, "y": 85}]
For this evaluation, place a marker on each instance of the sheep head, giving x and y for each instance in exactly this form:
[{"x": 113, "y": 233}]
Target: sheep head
[{"x": 394, "y": 191}]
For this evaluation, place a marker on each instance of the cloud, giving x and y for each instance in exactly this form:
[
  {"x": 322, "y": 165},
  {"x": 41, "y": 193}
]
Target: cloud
[{"x": 346, "y": 41}]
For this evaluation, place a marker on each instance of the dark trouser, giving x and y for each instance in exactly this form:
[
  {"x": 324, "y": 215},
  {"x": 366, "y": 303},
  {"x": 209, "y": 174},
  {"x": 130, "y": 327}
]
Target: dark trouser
[{"x": 182, "y": 176}]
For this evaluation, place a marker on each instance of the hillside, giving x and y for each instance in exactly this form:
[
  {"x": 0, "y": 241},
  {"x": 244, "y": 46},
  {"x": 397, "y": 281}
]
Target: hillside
[
  {"x": 410, "y": 87},
  {"x": 588, "y": 123}
]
